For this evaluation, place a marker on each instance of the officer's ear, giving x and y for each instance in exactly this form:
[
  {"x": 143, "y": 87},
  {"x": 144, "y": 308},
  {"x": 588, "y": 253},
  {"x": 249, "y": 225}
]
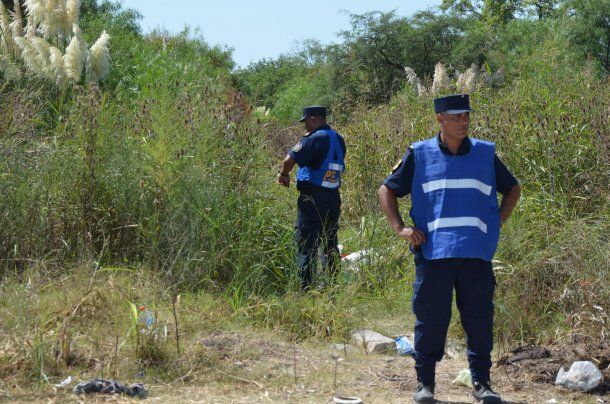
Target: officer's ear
[{"x": 440, "y": 118}]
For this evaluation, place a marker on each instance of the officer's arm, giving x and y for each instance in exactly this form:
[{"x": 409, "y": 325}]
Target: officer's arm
[
  {"x": 507, "y": 185},
  {"x": 283, "y": 176},
  {"x": 389, "y": 205},
  {"x": 509, "y": 201}
]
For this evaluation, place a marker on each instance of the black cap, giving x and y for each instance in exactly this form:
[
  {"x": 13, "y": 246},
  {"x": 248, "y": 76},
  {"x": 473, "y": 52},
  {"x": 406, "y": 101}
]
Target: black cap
[
  {"x": 314, "y": 110},
  {"x": 453, "y": 104}
]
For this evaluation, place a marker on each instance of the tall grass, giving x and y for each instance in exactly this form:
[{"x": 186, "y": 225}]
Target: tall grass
[{"x": 167, "y": 170}]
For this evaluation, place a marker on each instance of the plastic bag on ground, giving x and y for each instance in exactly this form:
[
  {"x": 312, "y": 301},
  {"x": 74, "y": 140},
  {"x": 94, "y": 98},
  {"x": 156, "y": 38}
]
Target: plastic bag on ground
[
  {"x": 464, "y": 378},
  {"x": 583, "y": 376},
  {"x": 404, "y": 346}
]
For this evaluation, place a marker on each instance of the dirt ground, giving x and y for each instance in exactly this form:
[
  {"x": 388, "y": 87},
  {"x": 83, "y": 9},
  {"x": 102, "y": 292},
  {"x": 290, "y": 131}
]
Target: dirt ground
[{"x": 239, "y": 368}]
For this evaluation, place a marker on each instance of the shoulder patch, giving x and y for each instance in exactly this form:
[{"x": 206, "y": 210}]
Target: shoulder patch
[
  {"x": 397, "y": 165},
  {"x": 297, "y": 147}
]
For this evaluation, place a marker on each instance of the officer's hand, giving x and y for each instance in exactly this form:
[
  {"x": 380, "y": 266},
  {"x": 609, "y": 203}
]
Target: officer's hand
[
  {"x": 283, "y": 180},
  {"x": 412, "y": 234}
]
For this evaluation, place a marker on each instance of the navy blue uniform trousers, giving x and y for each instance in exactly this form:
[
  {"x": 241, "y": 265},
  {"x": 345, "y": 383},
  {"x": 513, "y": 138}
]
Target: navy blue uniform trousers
[
  {"x": 474, "y": 284},
  {"x": 317, "y": 223}
]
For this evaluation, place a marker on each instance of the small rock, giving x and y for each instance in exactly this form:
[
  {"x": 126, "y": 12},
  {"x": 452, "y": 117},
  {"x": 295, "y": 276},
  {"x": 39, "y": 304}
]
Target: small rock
[
  {"x": 389, "y": 359},
  {"x": 373, "y": 342}
]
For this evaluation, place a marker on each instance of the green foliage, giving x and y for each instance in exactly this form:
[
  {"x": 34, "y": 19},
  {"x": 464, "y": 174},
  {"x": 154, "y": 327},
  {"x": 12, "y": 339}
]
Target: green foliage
[
  {"x": 589, "y": 29},
  {"x": 164, "y": 167},
  {"x": 301, "y": 91},
  {"x": 379, "y": 45},
  {"x": 264, "y": 80},
  {"x": 110, "y": 14}
]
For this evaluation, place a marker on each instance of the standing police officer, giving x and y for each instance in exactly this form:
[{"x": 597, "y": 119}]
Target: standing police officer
[
  {"x": 320, "y": 156},
  {"x": 453, "y": 180}
]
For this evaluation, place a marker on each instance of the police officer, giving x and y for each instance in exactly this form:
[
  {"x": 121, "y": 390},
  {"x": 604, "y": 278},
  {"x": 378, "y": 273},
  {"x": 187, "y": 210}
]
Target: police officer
[
  {"x": 453, "y": 180},
  {"x": 320, "y": 157}
]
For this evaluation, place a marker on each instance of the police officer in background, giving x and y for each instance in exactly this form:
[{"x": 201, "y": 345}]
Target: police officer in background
[
  {"x": 453, "y": 180},
  {"x": 320, "y": 157}
]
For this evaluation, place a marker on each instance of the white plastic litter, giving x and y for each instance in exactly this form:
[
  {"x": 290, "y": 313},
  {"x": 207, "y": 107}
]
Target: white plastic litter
[
  {"x": 67, "y": 381},
  {"x": 463, "y": 378},
  {"x": 404, "y": 346},
  {"x": 583, "y": 376},
  {"x": 352, "y": 263},
  {"x": 354, "y": 259}
]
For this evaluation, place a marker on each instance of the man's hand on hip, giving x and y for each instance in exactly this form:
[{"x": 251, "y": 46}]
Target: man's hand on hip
[
  {"x": 283, "y": 179},
  {"x": 412, "y": 234}
]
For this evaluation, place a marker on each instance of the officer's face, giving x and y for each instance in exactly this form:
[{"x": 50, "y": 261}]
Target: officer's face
[
  {"x": 454, "y": 125},
  {"x": 312, "y": 123}
]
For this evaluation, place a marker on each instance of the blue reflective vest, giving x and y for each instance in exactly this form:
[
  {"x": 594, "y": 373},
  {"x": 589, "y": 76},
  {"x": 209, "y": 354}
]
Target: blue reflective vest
[
  {"x": 454, "y": 201},
  {"x": 329, "y": 173}
]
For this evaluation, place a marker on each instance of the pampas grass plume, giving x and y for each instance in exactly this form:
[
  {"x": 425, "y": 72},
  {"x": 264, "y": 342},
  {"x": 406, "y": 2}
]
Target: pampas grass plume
[
  {"x": 98, "y": 63},
  {"x": 76, "y": 55},
  {"x": 29, "y": 55},
  {"x": 467, "y": 81},
  {"x": 72, "y": 12},
  {"x": 421, "y": 90},
  {"x": 17, "y": 23},
  {"x": 36, "y": 12},
  {"x": 57, "y": 69},
  {"x": 43, "y": 55},
  {"x": 441, "y": 79},
  {"x": 7, "y": 38},
  {"x": 411, "y": 76}
]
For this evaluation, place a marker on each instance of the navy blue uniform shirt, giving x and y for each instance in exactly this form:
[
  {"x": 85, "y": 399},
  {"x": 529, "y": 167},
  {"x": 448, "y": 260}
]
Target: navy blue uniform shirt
[
  {"x": 401, "y": 179},
  {"x": 311, "y": 151}
]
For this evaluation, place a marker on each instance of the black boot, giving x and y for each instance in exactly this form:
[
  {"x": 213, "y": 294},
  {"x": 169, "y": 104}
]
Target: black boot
[
  {"x": 424, "y": 394},
  {"x": 483, "y": 392}
]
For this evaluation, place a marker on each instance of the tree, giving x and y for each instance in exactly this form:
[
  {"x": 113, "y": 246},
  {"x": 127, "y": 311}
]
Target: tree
[
  {"x": 493, "y": 12},
  {"x": 380, "y": 45},
  {"x": 263, "y": 81},
  {"x": 589, "y": 28},
  {"x": 433, "y": 39},
  {"x": 542, "y": 9}
]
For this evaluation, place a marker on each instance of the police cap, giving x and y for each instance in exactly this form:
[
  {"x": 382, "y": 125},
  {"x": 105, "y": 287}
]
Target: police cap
[
  {"x": 453, "y": 104},
  {"x": 314, "y": 110}
]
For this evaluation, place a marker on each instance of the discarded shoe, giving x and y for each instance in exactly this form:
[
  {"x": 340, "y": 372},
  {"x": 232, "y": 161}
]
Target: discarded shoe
[
  {"x": 424, "y": 394},
  {"x": 484, "y": 393}
]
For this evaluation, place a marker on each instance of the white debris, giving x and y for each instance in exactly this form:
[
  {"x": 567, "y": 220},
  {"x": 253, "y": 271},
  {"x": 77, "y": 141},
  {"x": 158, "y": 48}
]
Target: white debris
[
  {"x": 67, "y": 381},
  {"x": 463, "y": 378},
  {"x": 583, "y": 376}
]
